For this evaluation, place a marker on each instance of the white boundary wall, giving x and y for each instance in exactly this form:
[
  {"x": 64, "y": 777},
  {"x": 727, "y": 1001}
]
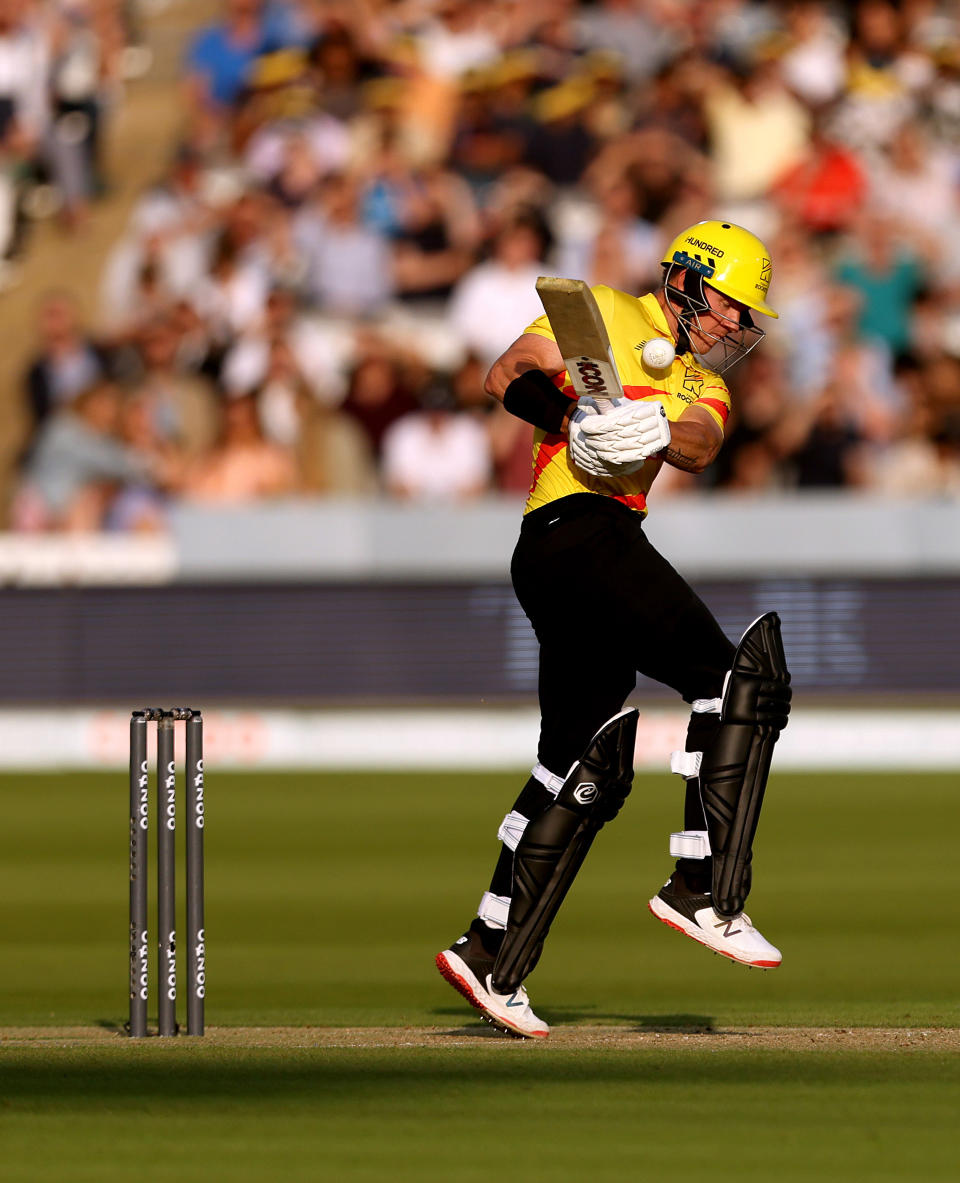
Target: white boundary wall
[
  {"x": 493, "y": 739},
  {"x": 723, "y": 535}
]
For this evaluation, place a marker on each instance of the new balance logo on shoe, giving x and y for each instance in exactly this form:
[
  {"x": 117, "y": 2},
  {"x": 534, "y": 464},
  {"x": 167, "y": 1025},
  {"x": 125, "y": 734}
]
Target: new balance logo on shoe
[
  {"x": 693, "y": 915},
  {"x": 513, "y": 1000}
]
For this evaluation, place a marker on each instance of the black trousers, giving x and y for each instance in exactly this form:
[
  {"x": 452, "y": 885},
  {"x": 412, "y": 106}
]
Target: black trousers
[{"x": 605, "y": 604}]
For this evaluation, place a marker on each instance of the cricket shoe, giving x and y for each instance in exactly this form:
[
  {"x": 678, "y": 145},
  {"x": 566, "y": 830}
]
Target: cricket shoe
[
  {"x": 692, "y": 913},
  {"x": 468, "y": 967}
]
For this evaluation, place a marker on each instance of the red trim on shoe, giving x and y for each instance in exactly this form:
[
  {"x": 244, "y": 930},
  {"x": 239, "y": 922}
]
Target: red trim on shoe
[
  {"x": 462, "y": 986},
  {"x": 719, "y": 952},
  {"x": 457, "y": 982}
]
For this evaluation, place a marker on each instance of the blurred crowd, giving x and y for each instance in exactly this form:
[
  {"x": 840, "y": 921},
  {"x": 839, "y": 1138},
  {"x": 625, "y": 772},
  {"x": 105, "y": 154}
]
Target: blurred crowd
[
  {"x": 62, "y": 66},
  {"x": 365, "y": 192}
]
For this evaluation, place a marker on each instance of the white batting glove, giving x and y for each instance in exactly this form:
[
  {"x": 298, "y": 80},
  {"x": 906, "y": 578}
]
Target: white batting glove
[
  {"x": 630, "y": 432},
  {"x": 582, "y": 450}
]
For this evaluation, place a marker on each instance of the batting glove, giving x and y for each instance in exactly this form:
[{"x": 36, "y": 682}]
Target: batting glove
[
  {"x": 629, "y": 432},
  {"x": 581, "y": 447}
]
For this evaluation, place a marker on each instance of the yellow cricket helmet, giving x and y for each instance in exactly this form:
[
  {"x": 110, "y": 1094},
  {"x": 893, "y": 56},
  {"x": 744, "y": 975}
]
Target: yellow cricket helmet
[{"x": 726, "y": 257}]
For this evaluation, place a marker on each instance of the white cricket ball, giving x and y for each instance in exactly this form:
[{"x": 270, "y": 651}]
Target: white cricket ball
[{"x": 658, "y": 354}]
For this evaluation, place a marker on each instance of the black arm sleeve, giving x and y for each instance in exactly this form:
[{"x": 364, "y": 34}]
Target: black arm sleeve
[{"x": 533, "y": 398}]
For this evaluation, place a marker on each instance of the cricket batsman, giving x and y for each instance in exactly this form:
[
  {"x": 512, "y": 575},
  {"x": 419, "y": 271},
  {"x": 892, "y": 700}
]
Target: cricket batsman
[{"x": 604, "y": 604}]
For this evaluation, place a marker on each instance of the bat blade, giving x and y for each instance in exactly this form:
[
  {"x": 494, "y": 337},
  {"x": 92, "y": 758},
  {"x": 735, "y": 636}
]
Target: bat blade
[{"x": 581, "y": 337}]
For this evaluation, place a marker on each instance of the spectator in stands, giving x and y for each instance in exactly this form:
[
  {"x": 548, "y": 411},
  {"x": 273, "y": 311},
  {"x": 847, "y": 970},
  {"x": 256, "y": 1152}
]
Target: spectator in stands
[
  {"x": 758, "y": 130},
  {"x": 342, "y": 59},
  {"x": 83, "y": 60},
  {"x": 368, "y": 192},
  {"x": 887, "y": 275},
  {"x": 183, "y": 407},
  {"x": 494, "y": 297},
  {"x": 243, "y": 466},
  {"x": 812, "y": 63},
  {"x": 884, "y": 76},
  {"x": 647, "y": 36},
  {"x": 319, "y": 353},
  {"x": 172, "y": 231},
  {"x": 437, "y": 453},
  {"x": 829, "y": 452},
  {"x": 232, "y": 298},
  {"x": 78, "y": 465},
  {"x": 376, "y": 394},
  {"x": 220, "y": 57},
  {"x": 754, "y": 445},
  {"x": 436, "y": 237},
  {"x": 825, "y": 189},
  {"x": 618, "y": 247},
  {"x": 68, "y": 361},
  {"x": 914, "y": 175},
  {"x": 348, "y": 264},
  {"x": 562, "y": 143},
  {"x": 24, "y": 110}
]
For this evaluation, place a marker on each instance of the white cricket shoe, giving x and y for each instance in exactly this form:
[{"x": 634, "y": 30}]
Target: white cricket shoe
[
  {"x": 469, "y": 969},
  {"x": 692, "y": 914}
]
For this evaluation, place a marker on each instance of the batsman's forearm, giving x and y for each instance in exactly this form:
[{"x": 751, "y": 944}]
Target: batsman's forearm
[
  {"x": 529, "y": 352},
  {"x": 693, "y": 445}
]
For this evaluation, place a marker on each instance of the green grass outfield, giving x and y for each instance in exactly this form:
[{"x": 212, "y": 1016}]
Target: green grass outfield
[{"x": 327, "y": 898}]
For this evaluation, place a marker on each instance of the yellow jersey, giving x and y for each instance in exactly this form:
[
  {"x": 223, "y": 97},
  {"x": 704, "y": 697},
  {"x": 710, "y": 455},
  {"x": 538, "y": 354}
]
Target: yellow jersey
[{"x": 631, "y": 322}]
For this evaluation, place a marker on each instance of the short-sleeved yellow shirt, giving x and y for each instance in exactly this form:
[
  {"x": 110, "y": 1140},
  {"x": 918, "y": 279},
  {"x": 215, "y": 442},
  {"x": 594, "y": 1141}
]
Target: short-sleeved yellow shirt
[{"x": 631, "y": 322}]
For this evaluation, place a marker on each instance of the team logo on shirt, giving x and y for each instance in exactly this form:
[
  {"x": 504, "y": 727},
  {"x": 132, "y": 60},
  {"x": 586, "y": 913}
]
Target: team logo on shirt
[{"x": 693, "y": 385}]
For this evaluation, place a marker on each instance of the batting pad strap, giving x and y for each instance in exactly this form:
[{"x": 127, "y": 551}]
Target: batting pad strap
[
  {"x": 706, "y": 706},
  {"x": 511, "y": 829},
  {"x": 494, "y": 909},
  {"x": 686, "y": 764},
  {"x": 690, "y": 844},
  {"x": 550, "y": 781}
]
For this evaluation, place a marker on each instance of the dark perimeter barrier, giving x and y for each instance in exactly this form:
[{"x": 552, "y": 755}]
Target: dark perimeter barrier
[
  {"x": 395, "y": 642},
  {"x": 166, "y": 818}
]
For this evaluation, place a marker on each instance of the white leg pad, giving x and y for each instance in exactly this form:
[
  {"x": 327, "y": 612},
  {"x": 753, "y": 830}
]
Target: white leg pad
[
  {"x": 686, "y": 764},
  {"x": 690, "y": 844},
  {"x": 494, "y": 909},
  {"x": 511, "y": 829}
]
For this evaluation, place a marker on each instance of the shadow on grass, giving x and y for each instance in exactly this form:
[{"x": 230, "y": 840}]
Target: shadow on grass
[
  {"x": 559, "y": 1016},
  {"x": 121, "y": 1028},
  {"x": 185, "y": 1080}
]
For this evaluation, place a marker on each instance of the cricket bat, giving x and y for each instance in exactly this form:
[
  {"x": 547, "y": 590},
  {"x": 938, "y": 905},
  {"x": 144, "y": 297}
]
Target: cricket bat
[{"x": 582, "y": 337}]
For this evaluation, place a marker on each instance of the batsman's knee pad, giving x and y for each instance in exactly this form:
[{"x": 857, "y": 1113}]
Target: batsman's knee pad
[
  {"x": 554, "y": 844},
  {"x": 732, "y": 771}
]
